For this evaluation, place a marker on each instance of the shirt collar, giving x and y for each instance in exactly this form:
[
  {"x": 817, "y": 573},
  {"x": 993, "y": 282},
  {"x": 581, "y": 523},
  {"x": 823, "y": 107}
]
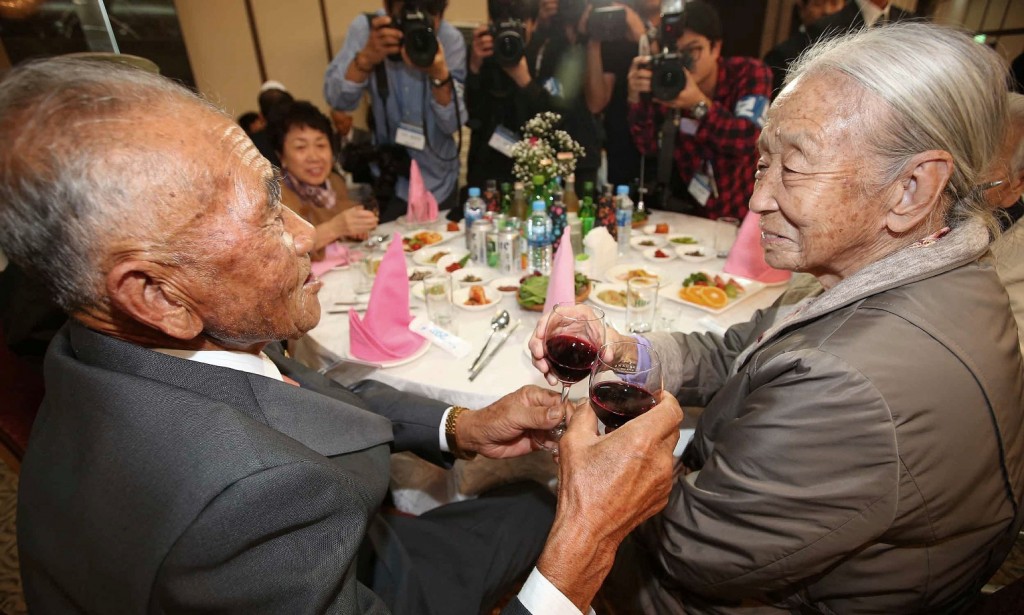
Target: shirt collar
[
  {"x": 872, "y": 13},
  {"x": 260, "y": 364}
]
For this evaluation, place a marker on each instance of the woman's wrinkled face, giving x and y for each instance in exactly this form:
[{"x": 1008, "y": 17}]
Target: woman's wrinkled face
[
  {"x": 817, "y": 213},
  {"x": 306, "y": 154}
]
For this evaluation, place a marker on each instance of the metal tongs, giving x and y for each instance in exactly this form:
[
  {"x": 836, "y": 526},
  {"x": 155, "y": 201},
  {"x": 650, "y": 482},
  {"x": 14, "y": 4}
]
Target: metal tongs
[{"x": 494, "y": 351}]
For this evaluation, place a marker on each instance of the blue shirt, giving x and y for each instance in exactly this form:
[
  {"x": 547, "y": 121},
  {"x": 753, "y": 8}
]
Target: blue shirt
[{"x": 410, "y": 101}]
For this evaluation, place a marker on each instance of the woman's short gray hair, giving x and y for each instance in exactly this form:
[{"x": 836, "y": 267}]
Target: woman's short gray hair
[
  {"x": 68, "y": 173},
  {"x": 944, "y": 91}
]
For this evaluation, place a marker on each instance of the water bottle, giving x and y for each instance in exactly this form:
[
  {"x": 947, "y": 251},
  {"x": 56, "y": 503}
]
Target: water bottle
[
  {"x": 473, "y": 211},
  {"x": 623, "y": 218},
  {"x": 538, "y": 239}
]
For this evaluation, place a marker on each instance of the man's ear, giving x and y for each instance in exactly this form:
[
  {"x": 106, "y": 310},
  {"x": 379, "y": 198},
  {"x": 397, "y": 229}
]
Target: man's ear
[
  {"x": 138, "y": 289},
  {"x": 920, "y": 190}
]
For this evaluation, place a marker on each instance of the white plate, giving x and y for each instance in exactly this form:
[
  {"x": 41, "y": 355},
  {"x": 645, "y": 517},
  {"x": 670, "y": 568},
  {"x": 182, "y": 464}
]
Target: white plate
[
  {"x": 674, "y": 240},
  {"x": 642, "y": 242},
  {"x": 706, "y": 254},
  {"x": 422, "y": 257},
  {"x": 444, "y": 261},
  {"x": 396, "y": 362},
  {"x": 616, "y": 274},
  {"x": 420, "y": 269},
  {"x": 508, "y": 281},
  {"x": 601, "y": 287},
  {"x": 671, "y": 292},
  {"x": 442, "y": 237},
  {"x": 669, "y": 253},
  {"x": 460, "y": 296},
  {"x": 650, "y": 228},
  {"x": 486, "y": 274}
]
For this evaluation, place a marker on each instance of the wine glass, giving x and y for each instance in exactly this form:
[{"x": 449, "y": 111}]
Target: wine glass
[
  {"x": 572, "y": 337},
  {"x": 625, "y": 382}
]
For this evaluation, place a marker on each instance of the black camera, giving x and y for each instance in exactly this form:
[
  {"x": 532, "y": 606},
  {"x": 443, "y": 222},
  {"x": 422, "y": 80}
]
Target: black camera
[
  {"x": 668, "y": 78},
  {"x": 418, "y": 36},
  {"x": 607, "y": 23},
  {"x": 509, "y": 42}
]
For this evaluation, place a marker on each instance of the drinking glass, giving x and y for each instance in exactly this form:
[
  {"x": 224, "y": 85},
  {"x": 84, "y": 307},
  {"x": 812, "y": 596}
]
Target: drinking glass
[
  {"x": 641, "y": 304},
  {"x": 573, "y": 335},
  {"x": 437, "y": 294},
  {"x": 726, "y": 230},
  {"x": 625, "y": 382},
  {"x": 363, "y": 193}
]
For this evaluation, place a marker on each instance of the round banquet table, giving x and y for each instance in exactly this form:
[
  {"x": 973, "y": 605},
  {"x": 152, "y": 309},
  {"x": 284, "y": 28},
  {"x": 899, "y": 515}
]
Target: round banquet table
[{"x": 437, "y": 374}]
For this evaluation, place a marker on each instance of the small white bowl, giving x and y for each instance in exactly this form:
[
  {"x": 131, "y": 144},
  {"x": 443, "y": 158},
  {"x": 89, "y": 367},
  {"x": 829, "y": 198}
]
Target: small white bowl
[
  {"x": 444, "y": 261},
  {"x": 507, "y": 282},
  {"x": 461, "y": 295},
  {"x": 651, "y": 255},
  {"x": 482, "y": 275},
  {"x": 694, "y": 253},
  {"x": 642, "y": 242},
  {"x": 683, "y": 239},
  {"x": 420, "y": 273}
]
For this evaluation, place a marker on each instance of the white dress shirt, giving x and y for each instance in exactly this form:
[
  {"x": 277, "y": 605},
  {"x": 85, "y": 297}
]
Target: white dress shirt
[{"x": 872, "y": 13}]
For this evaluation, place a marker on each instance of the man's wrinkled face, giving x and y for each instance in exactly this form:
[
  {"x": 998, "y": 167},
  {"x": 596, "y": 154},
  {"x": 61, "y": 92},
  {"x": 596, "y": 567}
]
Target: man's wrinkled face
[
  {"x": 253, "y": 281},
  {"x": 816, "y": 215}
]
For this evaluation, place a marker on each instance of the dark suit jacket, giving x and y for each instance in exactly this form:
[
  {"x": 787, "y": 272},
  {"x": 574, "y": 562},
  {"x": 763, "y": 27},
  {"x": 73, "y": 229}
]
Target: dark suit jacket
[
  {"x": 154, "y": 484},
  {"x": 782, "y": 55}
]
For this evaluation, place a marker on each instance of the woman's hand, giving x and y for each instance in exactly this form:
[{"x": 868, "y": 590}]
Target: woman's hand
[{"x": 355, "y": 222}]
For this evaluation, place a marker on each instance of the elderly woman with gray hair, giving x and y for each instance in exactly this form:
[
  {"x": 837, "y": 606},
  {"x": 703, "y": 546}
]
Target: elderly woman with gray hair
[{"x": 861, "y": 447}]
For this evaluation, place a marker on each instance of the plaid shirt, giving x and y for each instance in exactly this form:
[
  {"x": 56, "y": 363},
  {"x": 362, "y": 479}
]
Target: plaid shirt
[{"x": 726, "y": 137}]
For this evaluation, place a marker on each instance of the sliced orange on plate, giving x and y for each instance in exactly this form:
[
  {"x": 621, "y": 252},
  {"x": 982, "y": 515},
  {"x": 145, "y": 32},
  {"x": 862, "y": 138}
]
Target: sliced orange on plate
[{"x": 708, "y": 296}]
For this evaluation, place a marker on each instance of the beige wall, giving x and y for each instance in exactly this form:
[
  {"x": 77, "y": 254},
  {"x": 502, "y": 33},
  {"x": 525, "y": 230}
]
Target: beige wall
[{"x": 291, "y": 38}]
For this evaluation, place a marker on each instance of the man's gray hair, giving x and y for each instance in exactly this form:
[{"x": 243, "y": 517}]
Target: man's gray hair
[
  {"x": 70, "y": 171},
  {"x": 943, "y": 92}
]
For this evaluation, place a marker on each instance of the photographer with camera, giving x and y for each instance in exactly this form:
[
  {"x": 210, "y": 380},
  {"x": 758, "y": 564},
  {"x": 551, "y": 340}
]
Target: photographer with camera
[
  {"x": 516, "y": 72},
  {"x": 411, "y": 61},
  {"x": 710, "y": 110}
]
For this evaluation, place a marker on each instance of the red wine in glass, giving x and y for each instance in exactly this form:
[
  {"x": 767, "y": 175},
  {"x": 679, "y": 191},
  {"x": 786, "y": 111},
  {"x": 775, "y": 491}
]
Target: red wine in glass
[
  {"x": 569, "y": 357},
  {"x": 615, "y": 402}
]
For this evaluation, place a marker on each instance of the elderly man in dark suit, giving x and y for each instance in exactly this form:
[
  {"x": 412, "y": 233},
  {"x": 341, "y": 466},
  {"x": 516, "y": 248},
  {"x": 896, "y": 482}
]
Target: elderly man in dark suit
[{"x": 174, "y": 467}]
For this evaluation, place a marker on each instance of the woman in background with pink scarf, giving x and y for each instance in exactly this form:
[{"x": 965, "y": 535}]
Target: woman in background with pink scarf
[{"x": 310, "y": 188}]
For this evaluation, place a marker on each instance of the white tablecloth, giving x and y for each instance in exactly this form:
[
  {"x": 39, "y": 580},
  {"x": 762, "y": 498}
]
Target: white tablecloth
[{"x": 438, "y": 375}]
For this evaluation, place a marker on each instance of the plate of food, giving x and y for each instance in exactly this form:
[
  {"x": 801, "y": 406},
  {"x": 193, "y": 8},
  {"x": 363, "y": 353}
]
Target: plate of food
[
  {"x": 695, "y": 253},
  {"x": 711, "y": 292},
  {"x": 418, "y": 274},
  {"x": 417, "y": 240},
  {"x": 683, "y": 239},
  {"x": 661, "y": 228},
  {"x": 642, "y": 242},
  {"x": 533, "y": 290},
  {"x": 475, "y": 297},
  {"x": 473, "y": 275},
  {"x": 628, "y": 271},
  {"x": 610, "y": 297},
  {"x": 453, "y": 262},
  {"x": 430, "y": 256},
  {"x": 659, "y": 255},
  {"x": 507, "y": 285}
]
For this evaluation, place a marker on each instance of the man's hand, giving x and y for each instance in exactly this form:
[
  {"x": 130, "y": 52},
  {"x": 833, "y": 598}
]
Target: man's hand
[
  {"x": 536, "y": 343},
  {"x": 503, "y": 429},
  {"x": 689, "y": 97},
  {"x": 438, "y": 69},
  {"x": 355, "y": 222},
  {"x": 384, "y": 40},
  {"x": 638, "y": 80},
  {"x": 608, "y": 485},
  {"x": 483, "y": 48}
]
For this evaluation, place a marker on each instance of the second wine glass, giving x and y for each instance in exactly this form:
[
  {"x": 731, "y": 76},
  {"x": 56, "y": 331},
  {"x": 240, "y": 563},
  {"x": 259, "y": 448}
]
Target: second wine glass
[
  {"x": 626, "y": 381},
  {"x": 572, "y": 337}
]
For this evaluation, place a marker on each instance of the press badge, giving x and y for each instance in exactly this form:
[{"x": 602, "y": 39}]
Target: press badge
[
  {"x": 503, "y": 140},
  {"x": 688, "y": 126},
  {"x": 700, "y": 188},
  {"x": 410, "y": 136}
]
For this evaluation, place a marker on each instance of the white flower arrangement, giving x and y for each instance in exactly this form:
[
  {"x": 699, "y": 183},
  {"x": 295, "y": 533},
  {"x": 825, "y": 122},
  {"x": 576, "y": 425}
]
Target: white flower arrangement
[{"x": 544, "y": 149}]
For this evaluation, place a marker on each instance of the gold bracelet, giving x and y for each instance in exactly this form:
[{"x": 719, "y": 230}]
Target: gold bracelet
[{"x": 449, "y": 433}]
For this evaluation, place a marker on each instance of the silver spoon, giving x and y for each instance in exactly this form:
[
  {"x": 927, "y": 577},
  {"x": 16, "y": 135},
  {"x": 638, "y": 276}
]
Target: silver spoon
[{"x": 499, "y": 322}]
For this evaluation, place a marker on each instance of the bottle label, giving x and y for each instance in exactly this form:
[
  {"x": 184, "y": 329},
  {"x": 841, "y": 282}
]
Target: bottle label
[{"x": 624, "y": 217}]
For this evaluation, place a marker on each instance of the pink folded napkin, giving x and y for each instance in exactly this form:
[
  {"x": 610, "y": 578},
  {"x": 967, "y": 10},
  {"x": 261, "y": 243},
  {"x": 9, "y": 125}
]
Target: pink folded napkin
[
  {"x": 422, "y": 204},
  {"x": 562, "y": 284},
  {"x": 747, "y": 256},
  {"x": 383, "y": 334},
  {"x": 336, "y": 255}
]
